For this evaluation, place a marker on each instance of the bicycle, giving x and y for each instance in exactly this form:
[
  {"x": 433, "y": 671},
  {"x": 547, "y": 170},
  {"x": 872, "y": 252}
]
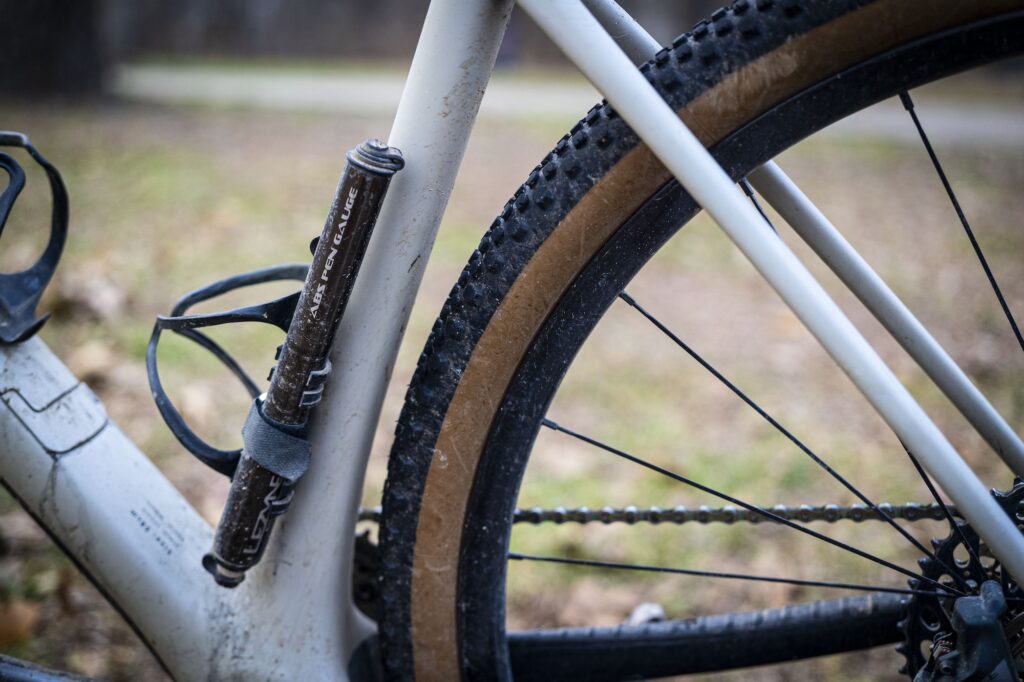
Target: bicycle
[{"x": 554, "y": 261}]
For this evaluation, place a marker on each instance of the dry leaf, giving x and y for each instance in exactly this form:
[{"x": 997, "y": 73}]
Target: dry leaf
[{"x": 18, "y": 619}]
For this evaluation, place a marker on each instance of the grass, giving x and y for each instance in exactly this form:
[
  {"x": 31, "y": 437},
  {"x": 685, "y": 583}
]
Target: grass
[{"x": 167, "y": 199}]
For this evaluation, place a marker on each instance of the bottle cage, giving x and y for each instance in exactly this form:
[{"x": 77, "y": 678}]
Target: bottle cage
[
  {"x": 20, "y": 291},
  {"x": 278, "y": 313}
]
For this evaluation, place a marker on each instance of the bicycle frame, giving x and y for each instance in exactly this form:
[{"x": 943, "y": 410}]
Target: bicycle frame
[{"x": 135, "y": 535}]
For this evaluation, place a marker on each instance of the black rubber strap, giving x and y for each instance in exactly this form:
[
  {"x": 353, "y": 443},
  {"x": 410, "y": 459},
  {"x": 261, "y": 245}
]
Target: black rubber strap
[{"x": 279, "y": 448}]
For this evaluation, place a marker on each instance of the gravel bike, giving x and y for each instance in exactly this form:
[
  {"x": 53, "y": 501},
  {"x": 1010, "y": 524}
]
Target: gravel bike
[{"x": 711, "y": 110}]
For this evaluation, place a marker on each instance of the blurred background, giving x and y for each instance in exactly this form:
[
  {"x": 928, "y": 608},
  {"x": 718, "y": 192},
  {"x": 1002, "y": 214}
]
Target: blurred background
[
  {"x": 54, "y": 46},
  {"x": 182, "y": 126}
]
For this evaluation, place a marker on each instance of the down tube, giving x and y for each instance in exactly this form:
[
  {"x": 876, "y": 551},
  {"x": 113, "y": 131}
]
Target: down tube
[
  {"x": 585, "y": 42},
  {"x": 305, "y": 578}
]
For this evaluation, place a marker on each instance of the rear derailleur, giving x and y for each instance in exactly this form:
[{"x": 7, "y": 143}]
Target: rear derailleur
[
  {"x": 977, "y": 649},
  {"x": 977, "y": 636}
]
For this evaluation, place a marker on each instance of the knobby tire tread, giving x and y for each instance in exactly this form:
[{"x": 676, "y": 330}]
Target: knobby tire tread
[{"x": 696, "y": 61}]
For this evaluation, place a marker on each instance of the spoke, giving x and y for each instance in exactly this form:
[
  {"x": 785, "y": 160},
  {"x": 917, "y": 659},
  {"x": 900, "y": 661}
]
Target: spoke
[
  {"x": 908, "y": 104},
  {"x": 749, "y": 191},
  {"x": 718, "y": 574},
  {"x": 740, "y": 503},
  {"x": 779, "y": 427},
  {"x": 954, "y": 526}
]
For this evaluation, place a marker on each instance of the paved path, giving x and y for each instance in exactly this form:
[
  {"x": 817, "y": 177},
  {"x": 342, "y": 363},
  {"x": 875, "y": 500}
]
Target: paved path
[
  {"x": 553, "y": 101},
  {"x": 340, "y": 92}
]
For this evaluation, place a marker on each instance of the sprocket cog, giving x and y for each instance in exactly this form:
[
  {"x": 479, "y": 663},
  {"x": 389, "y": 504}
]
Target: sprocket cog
[{"x": 963, "y": 561}]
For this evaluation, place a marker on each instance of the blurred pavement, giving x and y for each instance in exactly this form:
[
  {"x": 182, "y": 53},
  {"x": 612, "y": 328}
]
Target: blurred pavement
[{"x": 515, "y": 97}]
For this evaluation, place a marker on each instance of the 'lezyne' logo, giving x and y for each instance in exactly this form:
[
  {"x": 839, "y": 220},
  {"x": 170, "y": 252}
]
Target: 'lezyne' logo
[
  {"x": 335, "y": 242},
  {"x": 262, "y": 524}
]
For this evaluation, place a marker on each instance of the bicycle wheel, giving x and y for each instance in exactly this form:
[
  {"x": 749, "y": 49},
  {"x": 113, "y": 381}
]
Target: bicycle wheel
[{"x": 750, "y": 82}]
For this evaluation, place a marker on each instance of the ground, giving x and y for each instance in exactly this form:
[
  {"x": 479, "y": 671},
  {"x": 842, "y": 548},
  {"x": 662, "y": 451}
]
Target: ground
[{"x": 167, "y": 196}]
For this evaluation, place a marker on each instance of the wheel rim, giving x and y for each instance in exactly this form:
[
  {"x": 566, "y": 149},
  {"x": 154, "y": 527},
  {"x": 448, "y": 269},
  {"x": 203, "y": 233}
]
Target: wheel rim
[
  {"x": 522, "y": 408},
  {"x": 490, "y": 636}
]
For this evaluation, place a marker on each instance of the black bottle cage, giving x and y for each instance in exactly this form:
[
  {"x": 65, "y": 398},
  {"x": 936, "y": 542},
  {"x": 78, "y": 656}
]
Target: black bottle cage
[
  {"x": 20, "y": 291},
  {"x": 278, "y": 313}
]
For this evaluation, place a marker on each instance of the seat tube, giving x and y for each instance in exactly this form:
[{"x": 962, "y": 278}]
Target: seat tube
[{"x": 305, "y": 578}]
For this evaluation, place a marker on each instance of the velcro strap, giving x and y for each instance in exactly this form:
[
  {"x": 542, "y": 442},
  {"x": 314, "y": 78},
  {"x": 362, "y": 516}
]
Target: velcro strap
[{"x": 276, "y": 447}]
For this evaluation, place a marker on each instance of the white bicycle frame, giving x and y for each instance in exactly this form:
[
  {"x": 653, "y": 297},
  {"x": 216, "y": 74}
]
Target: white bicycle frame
[{"x": 293, "y": 618}]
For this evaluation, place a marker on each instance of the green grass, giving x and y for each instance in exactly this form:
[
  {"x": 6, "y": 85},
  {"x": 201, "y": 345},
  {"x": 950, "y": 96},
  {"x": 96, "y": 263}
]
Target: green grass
[{"x": 165, "y": 200}]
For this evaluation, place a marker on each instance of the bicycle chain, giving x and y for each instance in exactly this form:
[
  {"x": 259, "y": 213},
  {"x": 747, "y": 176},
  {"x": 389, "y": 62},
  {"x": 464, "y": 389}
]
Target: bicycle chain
[
  {"x": 829, "y": 513},
  {"x": 365, "y": 584}
]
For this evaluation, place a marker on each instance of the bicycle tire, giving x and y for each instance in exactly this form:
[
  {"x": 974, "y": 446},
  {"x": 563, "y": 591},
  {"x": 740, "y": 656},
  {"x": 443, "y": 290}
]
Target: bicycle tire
[{"x": 751, "y": 81}]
